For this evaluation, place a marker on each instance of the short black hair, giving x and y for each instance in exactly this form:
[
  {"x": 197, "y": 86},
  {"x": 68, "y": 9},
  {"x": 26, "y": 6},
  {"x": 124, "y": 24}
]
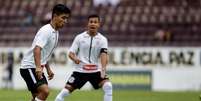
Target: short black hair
[
  {"x": 94, "y": 16},
  {"x": 60, "y": 9}
]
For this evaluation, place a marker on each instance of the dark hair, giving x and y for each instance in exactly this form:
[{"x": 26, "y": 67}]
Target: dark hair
[
  {"x": 94, "y": 16},
  {"x": 60, "y": 9}
]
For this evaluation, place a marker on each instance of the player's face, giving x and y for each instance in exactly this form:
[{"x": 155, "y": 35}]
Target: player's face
[
  {"x": 61, "y": 20},
  {"x": 93, "y": 24}
]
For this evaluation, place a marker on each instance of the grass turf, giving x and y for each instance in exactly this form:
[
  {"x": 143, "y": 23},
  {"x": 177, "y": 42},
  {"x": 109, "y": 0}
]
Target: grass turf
[{"x": 96, "y": 95}]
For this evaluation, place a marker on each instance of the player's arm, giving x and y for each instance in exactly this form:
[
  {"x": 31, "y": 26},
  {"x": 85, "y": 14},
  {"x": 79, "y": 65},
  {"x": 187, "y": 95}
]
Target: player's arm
[
  {"x": 74, "y": 49},
  {"x": 41, "y": 39},
  {"x": 37, "y": 57},
  {"x": 49, "y": 71},
  {"x": 104, "y": 61},
  {"x": 104, "y": 57},
  {"x": 73, "y": 57}
]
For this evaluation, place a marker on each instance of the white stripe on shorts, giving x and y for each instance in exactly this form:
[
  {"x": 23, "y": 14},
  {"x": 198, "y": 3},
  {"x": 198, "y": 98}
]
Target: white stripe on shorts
[{"x": 32, "y": 75}]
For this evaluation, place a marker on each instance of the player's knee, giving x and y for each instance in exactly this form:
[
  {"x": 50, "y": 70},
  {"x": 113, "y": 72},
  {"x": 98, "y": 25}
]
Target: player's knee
[
  {"x": 45, "y": 92},
  {"x": 69, "y": 88},
  {"x": 107, "y": 87}
]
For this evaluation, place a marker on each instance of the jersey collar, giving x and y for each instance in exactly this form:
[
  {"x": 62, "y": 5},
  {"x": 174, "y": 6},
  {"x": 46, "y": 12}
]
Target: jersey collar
[
  {"x": 53, "y": 30},
  {"x": 87, "y": 35}
]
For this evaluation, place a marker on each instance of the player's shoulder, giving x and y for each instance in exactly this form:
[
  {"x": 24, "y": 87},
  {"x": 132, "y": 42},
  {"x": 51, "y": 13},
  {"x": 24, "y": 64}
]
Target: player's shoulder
[
  {"x": 46, "y": 28},
  {"x": 101, "y": 36},
  {"x": 81, "y": 35}
]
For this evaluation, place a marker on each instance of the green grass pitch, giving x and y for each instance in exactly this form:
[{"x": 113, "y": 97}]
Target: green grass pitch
[{"x": 96, "y": 95}]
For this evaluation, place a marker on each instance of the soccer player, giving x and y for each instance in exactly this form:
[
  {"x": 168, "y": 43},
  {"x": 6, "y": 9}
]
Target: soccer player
[
  {"x": 89, "y": 54},
  {"x": 36, "y": 59}
]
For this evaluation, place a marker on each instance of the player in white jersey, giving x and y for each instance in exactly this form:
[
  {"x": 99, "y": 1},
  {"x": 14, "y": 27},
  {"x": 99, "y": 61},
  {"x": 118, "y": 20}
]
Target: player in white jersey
[
  {"x": 89, "y": 54},
  {"x": 38, "y": 55}
]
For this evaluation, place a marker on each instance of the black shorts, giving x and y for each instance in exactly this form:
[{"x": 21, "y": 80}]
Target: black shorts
[
  {"x": 77, "y": 79},
  {"x": 31, "y": 80}
]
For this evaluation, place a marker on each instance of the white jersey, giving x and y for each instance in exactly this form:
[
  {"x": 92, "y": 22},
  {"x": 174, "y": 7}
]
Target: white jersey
[
  {"x": 88, "y": 49},
  {"x": 47, "y": 39}
]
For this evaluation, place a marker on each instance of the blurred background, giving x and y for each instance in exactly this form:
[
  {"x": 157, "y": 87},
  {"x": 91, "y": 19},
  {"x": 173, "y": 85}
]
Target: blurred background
[{"x": 154, "y": 45}]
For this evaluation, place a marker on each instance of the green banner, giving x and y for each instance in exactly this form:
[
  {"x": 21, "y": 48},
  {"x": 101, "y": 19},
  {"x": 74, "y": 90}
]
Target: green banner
[{"x": 132, "y": 79}]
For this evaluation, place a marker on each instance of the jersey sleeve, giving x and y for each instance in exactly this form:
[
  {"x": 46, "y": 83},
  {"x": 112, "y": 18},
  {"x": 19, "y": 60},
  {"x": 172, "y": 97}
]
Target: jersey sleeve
[
  {"x": 104, "y": 43},
  {"x": 75, "y": 45},
  {"x": 104, "y": 46},
  {"x": 41, "y": 38}
]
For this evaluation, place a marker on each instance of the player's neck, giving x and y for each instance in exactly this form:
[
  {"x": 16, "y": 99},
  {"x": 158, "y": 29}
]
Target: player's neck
[
  {"x": 92, "y": 33},
  {"x": 53, "y": 25}
]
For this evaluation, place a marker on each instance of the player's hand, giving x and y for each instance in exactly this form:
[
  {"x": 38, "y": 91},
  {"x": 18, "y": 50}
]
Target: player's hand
[
  {"x": 77, "y": 61},
  {"x": 103, "y": 74},
  {"x": 50, "y": 74},
  {"x": 39, "y": 72}
]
